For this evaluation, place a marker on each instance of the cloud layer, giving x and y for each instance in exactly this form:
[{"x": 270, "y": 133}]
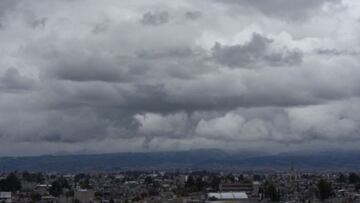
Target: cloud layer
[{"x": 106, "y": 76}]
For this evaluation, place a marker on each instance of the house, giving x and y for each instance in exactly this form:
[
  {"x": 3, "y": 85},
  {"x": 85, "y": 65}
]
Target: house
[
  {"x": 5, "y": 197},
  {"x": 84, "y": 195}
]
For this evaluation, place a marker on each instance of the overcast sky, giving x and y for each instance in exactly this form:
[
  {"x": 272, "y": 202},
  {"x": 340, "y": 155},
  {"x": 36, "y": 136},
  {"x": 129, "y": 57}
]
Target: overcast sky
[{"x": 117, "y": 75}]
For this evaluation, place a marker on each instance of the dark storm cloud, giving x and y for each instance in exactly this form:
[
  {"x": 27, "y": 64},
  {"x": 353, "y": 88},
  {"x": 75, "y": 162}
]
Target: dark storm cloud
[
  {"x": 286, "y": 10},
  {"x": 255, "y": 52},
  {"x": 72, "y": 126},
  {"x": 155, "y": 18},
  {"x": 7, "y": 5},
  {"x": 13, "y": 81},
  {"x": 88, "y": 68},
  {"x": 166, "y": 76}
]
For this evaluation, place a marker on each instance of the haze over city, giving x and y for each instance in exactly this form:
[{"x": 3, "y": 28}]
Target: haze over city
[{"x": 88, "y": 76}]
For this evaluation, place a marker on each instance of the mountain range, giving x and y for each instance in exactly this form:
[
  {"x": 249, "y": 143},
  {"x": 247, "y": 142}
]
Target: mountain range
[{"x": 209, "y": 159}]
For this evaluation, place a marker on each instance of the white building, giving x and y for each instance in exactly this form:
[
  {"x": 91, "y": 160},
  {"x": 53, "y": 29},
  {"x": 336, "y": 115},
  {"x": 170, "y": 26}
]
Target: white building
[
  {"x": 5, "y": 197},
  {"x": 218, "y": 197}
]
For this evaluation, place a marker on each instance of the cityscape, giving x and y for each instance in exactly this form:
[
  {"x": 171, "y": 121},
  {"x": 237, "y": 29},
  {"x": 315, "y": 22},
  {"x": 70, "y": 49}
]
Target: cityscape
[
  {"x": 179, "y": 101},
  {"x": 184, "y": 186}
]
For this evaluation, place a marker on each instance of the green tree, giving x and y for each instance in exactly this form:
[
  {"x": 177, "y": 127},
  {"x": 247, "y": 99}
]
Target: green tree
[
  {"x": 85, "y": 184},
  {"x": 325, "y": 189},
  {"x": 76, "y": 201},
  {"x": 27, "y": 176},
  {"x": 190, "y": 182},
  {"x": 200, "y": 184},
  {"x": 69, "y": 193},
  {"x": 11, "y": 183},
  {"x": 241, "y": 177},
  {"x": 256, "y": 177},
  {"x": 55, "y": 189},
  {"x": 272, "y": 192},
  {"x": 341, "y": 178},
  {"x": 57, "y": 186},
  {"x": 35, "y": 197},
  {"x": 148, "y": 180},
  {"x": 230, "y": 178},
  {"x": 81, "y": 176},
  {"x": 40, "y": 178},
  {"x": 215, "y": 182},
  {"x": 354, "y": 178}
]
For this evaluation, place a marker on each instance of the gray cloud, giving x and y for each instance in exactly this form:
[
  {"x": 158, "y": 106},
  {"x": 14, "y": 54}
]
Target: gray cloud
[
  {"x": 39, "y": 23},
  {"x": 256, "y": 52},
  {"x": 88, "y": 68},
  {"x": 155, "y": 18},
  {"x": 13, "y": 81},
  {"x": 7, "y": 5},
  {"x": 99, "y": 79},
  {"x": 286, "y": 10},
  {"x": 193, "y": 15},
  {"x": 101, "y": 27},
  {"x": 335, "y": 52},
  {"x": 180, "y": 52},
  {"x": 333, "y": 122}
]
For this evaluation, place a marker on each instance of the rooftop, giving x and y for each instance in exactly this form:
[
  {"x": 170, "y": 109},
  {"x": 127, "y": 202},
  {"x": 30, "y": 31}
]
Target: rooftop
[{"x": 227, "y": 195}]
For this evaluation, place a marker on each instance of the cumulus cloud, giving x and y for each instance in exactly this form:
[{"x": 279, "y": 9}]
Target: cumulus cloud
[
  {"x": 334, "y": 121},
  {"x": 157, "y": 125},
  {"x": 331, "y": 122},
  {"x": 256, "y": 52},
  {"x": 161, "y": 75}
]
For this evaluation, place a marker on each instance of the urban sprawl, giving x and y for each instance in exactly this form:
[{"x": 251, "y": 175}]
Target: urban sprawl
[{"x": 181, "y": 186}]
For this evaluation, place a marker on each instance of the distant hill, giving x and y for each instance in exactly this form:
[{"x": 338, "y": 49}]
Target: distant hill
[{"x": 194, "y": 159}]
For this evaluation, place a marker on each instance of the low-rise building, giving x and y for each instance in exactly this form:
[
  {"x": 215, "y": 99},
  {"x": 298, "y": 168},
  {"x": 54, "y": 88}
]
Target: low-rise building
[{"x": 5, "y": 197}]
